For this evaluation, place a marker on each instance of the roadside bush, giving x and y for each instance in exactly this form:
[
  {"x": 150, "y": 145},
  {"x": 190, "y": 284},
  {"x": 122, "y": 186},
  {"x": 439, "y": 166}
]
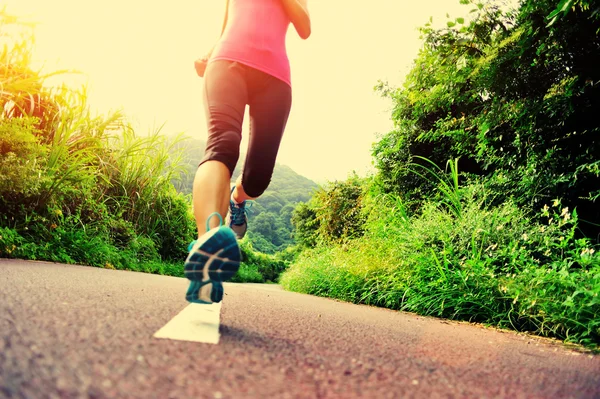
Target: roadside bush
[
  {"x": 510, "y": 95},
  {"x": 488, "y": 264},
  {"x": 79, "y": 188},
  {"x": 333, "y": 215},
  {"x": 10, "y": 241},
  {"x": 257, "y": 267}
]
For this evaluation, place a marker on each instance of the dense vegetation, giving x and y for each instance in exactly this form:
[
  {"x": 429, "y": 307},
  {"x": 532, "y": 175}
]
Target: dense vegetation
[
  {"x": 81, "y": 188},
  {"x": 484, "y": 206},
  {"x": 512, "y": 98},
  {"x": 75, "y": 187},
  {"x": 271, "y": 214}
]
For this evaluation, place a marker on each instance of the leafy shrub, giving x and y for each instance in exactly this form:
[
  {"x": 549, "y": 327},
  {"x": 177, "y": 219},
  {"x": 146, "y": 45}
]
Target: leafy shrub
[
  {"x": 121, "y": 232},
  {"x": 10, "y": 242},
  {"x": 78, "y": 188},
  {"x": 144, "y": 250},
  {"x": 512, "y": 97},
  {"x": 255, "y": 264},
  {"x": 173, "y": 226},
  {"x": 22, "y": 161},
  {"x": 248, "y": 273},
  {"x": 333, "y": 215},
  {"x": 491, "y": 265},
  {"x": 306, "y": 226}
]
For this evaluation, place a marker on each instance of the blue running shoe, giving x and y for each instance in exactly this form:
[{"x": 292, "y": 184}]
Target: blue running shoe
[
  {"x": 237, "y": 217},
  {"x": 213, "y": 258}
]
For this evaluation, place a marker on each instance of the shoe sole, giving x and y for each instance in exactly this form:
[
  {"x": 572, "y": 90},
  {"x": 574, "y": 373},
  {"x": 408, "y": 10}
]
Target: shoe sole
[{"x": 216, "y": 260}]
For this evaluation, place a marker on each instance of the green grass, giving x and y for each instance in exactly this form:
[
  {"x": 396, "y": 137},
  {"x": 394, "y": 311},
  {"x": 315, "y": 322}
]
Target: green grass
[
  {"x": 76, "y": 246},
  {"x": 83, "y": 189},
  {"x": 487, "y": 265}
]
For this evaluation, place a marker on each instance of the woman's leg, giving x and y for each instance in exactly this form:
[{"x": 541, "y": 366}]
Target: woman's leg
[
  {"x": 238, "y": 194},
  {"x": 225, "y": 101},
  {"x": 210, "y": 193},
  {"x": 215, "y": 256},
  {"x": 270, "y": 101}
]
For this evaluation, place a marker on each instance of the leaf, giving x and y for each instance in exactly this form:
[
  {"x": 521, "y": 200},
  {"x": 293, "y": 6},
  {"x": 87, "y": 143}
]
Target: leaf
[
  {"x": 563, "y": 7},
  {"x": 566, "y": 5},
  {"x": 450, "y": 24},
  {"x": 460, "y": 20},
  {"x": 554, "y": 13}
]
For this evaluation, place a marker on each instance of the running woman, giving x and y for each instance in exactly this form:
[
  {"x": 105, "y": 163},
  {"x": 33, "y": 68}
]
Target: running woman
[{"x": 248, "y": 66}]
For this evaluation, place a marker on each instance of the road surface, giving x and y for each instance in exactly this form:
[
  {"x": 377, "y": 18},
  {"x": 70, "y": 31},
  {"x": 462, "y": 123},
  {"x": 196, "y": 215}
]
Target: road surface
[{"x": 75, "y": 331}]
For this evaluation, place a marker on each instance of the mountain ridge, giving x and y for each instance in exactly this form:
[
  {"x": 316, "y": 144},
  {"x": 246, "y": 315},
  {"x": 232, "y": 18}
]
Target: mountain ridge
[{"x": 270, "y": 228}]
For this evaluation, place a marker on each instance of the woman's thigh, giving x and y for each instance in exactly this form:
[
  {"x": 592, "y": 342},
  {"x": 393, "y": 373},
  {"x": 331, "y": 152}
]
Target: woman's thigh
[
  {"x": 270, "y": 101},
  {"x": 225, "y": 99}
]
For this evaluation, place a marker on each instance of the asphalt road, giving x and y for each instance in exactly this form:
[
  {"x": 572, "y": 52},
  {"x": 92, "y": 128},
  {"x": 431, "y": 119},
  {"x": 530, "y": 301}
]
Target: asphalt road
[{"x": 74, "y": 331}]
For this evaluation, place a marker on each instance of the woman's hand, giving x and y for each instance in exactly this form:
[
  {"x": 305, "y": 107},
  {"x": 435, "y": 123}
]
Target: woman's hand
[
  {"x": 297, "y": 11},
  {"x": 200, "y": 65}
]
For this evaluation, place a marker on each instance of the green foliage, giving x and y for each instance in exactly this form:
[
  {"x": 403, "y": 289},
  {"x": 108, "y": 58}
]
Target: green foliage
[
  {"x": 447, "y": 188},
  {"x": 259, "y": 267},
  {"x": 306, "y": 225},
  {"x": 492, "y": 265},
  {"x": 10, "y": 241},
  {"x": 333, "y": 215},
  {"x": 565, "y": 6},
  {"x": 271, "y": 228},
  {"x": 339, "y": 210},
  {"x": 79, "y": 188},
  {"x": 248, "y": 273},
  {"x": 21, "y": 157},
  {"x": 510, "y": 95}
]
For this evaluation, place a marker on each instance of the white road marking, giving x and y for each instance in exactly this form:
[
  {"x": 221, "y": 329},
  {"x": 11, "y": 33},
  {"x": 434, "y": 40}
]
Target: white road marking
[{"x": 196, "y": 323}]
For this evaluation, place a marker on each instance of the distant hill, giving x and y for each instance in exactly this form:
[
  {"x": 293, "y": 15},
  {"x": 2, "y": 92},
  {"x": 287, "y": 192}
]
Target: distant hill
[{"x": 270, "y": 216}]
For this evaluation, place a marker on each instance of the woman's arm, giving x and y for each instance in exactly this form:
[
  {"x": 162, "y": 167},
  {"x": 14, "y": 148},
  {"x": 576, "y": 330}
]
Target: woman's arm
[
  {"x": 226, "y": 15},
  {"x": 297, "y": 11},
  {"x": 222, "y": 28},
  {"x": 201, "y": 63}
]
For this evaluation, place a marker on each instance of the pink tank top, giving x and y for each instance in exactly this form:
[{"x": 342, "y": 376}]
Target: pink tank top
[{"x": 255, "y": 36}]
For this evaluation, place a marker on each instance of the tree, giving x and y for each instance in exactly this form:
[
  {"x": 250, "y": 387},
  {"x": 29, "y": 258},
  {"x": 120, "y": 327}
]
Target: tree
[
  {"x": 514, "y": 96},
  {"x": 304, "y": 220}
]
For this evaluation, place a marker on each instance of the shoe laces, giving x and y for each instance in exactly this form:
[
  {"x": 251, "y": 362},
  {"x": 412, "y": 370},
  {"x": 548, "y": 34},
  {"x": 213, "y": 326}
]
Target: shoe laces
[{"x": 239, "y": 212}]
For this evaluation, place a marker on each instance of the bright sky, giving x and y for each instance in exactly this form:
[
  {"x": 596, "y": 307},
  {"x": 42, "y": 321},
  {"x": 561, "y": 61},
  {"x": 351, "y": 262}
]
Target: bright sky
[{"x": 139, "y": 56}]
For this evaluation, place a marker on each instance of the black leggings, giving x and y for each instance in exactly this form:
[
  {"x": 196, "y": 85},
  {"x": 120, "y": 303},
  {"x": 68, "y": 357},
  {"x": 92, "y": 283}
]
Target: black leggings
[{"x": 228, "y": 87}]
